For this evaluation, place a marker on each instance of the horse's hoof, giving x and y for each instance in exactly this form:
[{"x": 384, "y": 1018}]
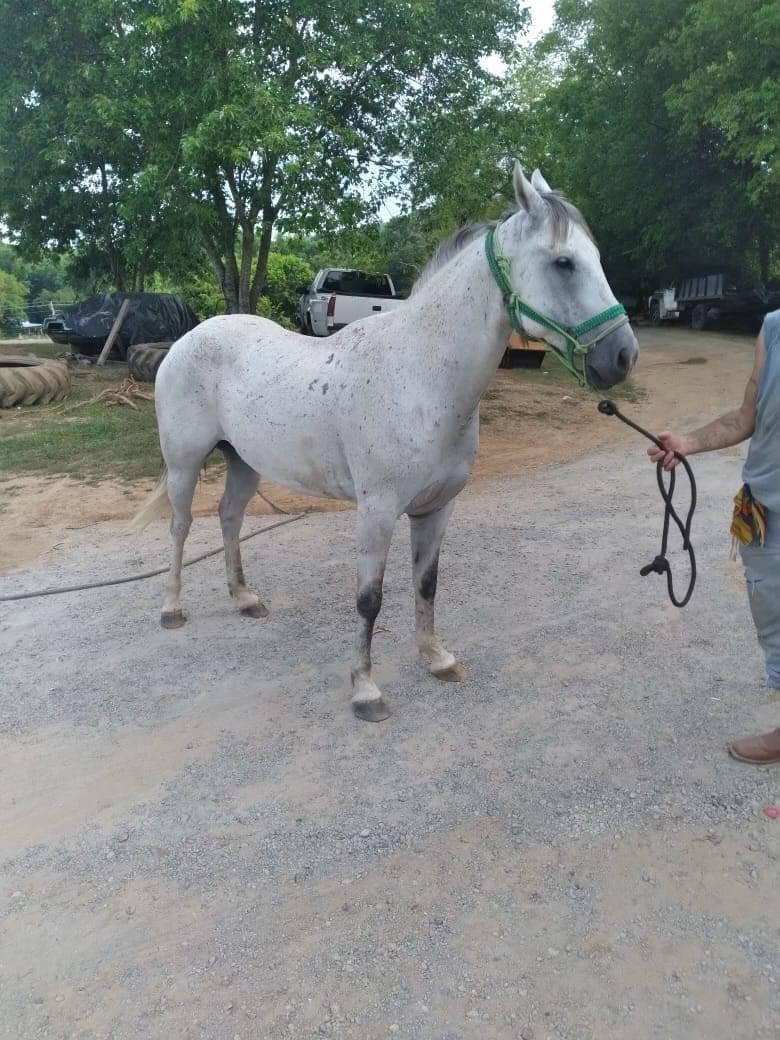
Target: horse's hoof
[
  {"x": 371, "y": 711},
  {"x": 257, "y": 610},
  {"x": 455, "y": 673},
  {"x": 172, "y": 618}
]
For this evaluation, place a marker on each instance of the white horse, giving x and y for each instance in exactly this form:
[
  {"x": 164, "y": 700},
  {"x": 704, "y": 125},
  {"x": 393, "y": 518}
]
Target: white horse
[{"x": 386, "y": 412}]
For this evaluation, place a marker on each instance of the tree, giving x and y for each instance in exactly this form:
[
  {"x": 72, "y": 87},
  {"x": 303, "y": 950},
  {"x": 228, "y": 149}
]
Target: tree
[
  {"x": 726, "y": 52},
  {"x": 405, "y": 244},
  {"x": 206, "y": 124},
  {"x": 71, "y": 149},
  {"x": 287, "y": 274},
  {"x": 460, "y": 158},
  {"x": 662, "y": 192},
  {"x": 400, "y": 247},
  {"x": 13, "y": 295},
  {"x": 288, "y": 115},
  {"x": 43, "y": 280}
]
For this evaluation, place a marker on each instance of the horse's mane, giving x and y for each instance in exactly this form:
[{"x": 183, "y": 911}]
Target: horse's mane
[{"x": 562, "y": 214}]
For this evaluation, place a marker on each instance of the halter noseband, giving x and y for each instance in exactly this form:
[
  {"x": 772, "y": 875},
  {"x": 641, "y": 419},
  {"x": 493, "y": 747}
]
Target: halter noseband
[{"x": 517, "y": 309}]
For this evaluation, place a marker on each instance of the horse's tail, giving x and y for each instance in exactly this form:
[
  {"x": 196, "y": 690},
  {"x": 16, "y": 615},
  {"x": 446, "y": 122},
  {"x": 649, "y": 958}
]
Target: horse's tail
[{"x": 156, "y": 505}]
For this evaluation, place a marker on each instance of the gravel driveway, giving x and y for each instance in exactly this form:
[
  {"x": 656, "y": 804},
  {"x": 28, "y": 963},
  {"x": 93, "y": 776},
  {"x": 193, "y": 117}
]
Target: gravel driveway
[{"x": 199, "y": 841}]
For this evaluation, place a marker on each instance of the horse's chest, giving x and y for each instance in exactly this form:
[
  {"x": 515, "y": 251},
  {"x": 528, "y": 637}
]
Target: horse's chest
[
  {"x": 440, "y": 473},
  {"x": 436, "y": 494}
]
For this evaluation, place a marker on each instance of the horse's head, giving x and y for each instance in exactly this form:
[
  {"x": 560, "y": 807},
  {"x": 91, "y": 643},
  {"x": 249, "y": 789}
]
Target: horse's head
[{"x": 555, "y": 273}]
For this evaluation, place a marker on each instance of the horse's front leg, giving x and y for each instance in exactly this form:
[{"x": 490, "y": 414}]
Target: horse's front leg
[
  {"x": 374, "y": 530},
  {"x": 427, "y": 533}
]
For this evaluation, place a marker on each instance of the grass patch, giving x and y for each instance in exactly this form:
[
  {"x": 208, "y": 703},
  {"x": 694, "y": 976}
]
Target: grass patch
[
  {"x": 89, "y": 443},
  {"x": 92, "y": 442}
]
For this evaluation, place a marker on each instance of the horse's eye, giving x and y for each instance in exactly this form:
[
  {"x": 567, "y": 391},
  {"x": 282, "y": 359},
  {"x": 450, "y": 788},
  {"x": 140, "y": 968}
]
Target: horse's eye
[{"x": 565, "y": 263}]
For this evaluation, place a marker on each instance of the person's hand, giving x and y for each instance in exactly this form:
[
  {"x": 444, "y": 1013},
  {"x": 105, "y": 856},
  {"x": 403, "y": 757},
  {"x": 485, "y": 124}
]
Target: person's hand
[{"x": 672, "y": 443}]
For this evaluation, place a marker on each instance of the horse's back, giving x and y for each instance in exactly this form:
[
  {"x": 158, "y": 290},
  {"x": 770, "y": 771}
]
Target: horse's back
[
  {"x": 227, "y": 339},
  {"x": 233, "y": 354}
]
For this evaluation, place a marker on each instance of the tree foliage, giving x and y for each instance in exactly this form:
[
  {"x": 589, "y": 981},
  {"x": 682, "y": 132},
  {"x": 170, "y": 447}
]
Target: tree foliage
[
  {"x": 400, "y": 247},
  {"x": 287, "y": 274},
  {"x": 202, "y": 143},
  {"x": 217, "y": 120},
  {"x": 13, "y": 296},
  {"x": 43, "y": 281},
  {"x": 663, "y": 185},
  {"x": 71, "y": 149},
  {"x": 727, "y": 57}
]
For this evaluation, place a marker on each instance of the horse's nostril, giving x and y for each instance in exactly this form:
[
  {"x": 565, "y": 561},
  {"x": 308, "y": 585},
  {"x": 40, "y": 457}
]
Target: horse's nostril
[{"x": 625, "y": 360}]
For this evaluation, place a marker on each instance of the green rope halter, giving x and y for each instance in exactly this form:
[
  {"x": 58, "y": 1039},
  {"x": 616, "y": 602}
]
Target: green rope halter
[{"x": 517, "y": 308}]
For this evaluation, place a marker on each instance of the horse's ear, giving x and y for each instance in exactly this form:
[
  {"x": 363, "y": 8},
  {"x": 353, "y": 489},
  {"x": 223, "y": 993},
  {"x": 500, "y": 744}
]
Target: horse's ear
[
  {"x": 539, "y": 182},
  {"x": 528, "y": 198}
]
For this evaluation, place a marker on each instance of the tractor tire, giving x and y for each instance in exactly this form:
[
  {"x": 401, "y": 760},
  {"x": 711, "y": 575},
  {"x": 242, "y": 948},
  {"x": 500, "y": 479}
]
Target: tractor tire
[
  {"x": 699, "y": 316},
  {"x": 29, "y": 380},
  {"x": 144, "y": 360},
  {"x": 655, "y": 314}
]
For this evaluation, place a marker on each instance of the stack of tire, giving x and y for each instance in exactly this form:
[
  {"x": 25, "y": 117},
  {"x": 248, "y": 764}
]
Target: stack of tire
[
  {"x": 144, "y": 359},
  {"x": 26, "y": 380}
]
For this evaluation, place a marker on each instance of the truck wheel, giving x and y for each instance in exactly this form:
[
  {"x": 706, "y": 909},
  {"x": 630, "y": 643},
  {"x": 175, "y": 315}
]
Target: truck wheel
[
  {"x": 30, "y": 380},
  {"x": 144, "y": 360},
  {"x": 699, "y": 316},
  {"x": 655, "y": 314}
]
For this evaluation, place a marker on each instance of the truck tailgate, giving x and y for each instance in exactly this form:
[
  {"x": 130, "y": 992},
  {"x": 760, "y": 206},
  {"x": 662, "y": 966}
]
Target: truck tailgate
[{"x": 351, "y": 308}]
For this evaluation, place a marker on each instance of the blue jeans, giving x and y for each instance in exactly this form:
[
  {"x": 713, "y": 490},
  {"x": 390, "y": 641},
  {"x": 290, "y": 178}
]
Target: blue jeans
[{"x": 762, "y": 574}]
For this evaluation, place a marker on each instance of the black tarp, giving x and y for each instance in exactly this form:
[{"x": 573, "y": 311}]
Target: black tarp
[{"x": 150, "y": 318}]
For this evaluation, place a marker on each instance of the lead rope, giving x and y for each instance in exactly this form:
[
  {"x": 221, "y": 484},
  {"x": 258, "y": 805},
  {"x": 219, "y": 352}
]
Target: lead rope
[{"x": 660, "y": 564}]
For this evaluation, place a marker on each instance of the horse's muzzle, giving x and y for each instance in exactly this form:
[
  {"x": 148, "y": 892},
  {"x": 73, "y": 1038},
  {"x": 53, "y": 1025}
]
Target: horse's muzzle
[{"x": 612, "y": 359}]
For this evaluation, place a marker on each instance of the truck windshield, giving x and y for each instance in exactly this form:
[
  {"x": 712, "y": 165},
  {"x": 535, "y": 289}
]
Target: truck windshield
[{"x": 356, "y": 283}]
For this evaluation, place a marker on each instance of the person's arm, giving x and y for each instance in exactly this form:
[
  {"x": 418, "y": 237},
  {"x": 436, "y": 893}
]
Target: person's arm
[{"x": 729, "y": 429}]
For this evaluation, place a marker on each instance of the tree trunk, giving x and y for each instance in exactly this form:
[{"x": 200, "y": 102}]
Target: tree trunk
[
  {"x": 229, "y": 282},
  {"x": 139, "y": 275},
  {"x": 232, "y": 286},
  {"x": 261, "y": 268},
  {"x": 241, "y": 287},
  {"x": 227, "y": 285},
  {"x": 244, "y": 289},
  {"x": 221, "y": 251},
  {"x": 230, "y": 293},
  {"x": 117, "y": 271}
]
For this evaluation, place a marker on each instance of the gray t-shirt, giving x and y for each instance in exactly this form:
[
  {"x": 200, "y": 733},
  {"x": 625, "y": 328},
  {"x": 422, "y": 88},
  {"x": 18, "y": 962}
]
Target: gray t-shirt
[{"x": 762, "y": 466}]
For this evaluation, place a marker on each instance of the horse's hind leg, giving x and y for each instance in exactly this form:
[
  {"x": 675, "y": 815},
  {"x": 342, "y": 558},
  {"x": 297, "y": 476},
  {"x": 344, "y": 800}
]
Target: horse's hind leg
[
  {"x": 427, "y": 533},
  {"x": 181, "y": 488},
  {"x": 240, "y": 485}
]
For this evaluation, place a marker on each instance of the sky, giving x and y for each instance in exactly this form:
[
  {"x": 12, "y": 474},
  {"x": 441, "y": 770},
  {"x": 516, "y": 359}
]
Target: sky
[{"x": 542, "y": 12}]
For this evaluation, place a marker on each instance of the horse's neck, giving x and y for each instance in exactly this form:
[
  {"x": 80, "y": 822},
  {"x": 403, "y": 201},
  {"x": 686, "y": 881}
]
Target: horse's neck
[{"x": 464, "y": 323}]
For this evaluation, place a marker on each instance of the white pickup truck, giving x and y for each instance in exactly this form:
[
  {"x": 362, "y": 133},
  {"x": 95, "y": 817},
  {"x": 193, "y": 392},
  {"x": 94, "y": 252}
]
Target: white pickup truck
[{"x": 338, "y": 296}]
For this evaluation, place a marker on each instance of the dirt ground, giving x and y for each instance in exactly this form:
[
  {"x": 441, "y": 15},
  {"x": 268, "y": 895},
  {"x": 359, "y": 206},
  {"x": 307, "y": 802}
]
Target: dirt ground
[
  {"x": 197, "y": 840},
  {"x": 523, "y": 427}
]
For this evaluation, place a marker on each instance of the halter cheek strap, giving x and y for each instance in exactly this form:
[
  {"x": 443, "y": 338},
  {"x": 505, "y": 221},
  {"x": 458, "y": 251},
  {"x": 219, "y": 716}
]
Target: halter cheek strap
[{"x": 611, "y": 318}]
